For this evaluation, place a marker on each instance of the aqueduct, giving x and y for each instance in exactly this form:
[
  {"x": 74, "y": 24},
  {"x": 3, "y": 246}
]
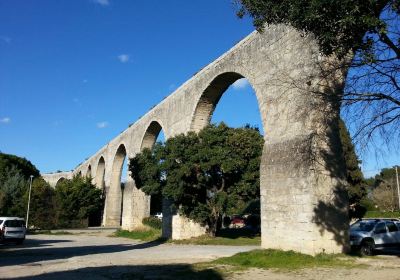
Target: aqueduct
[{"x": 303, "y": 205}]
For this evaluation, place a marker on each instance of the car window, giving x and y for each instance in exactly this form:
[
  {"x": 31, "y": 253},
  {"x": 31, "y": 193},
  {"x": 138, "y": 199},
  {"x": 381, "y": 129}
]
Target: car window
[
  {"x": 380, "y": 228},
  {"x": 363, "y": 226},
  {"x": 1, "y": 221},
  {"x": 14, "y": 223},
  {"x": 391, "y": 227}
]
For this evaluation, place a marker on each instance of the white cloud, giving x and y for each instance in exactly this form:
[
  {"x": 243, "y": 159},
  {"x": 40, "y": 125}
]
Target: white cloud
[
  {"x": 102, "y": 124},
  {"x": 124, "y": 58},
  {"x": 5, "y": 39},
  {"x": 102, "y": 2},
  {"x": 240, "y": 84},
  {"x": 5, "y": 120}
]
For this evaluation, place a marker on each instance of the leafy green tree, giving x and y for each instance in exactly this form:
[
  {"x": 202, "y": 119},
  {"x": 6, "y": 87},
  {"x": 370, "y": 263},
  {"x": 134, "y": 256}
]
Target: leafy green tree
[
  {"x": 366, "y": 28},
  {"x": 76, "y": 200},
  {"x": 25, "y": 167},
  {"x": 204, "y": 174},
  {"x": 14, "y": 183},
  {"x": 12, "y": 189},
  {"x": 42, "y": 212}
]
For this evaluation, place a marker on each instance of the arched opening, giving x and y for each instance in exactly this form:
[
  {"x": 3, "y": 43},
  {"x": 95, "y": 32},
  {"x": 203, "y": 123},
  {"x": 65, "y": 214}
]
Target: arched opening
[
  {"x": 114, "y": 198},
  {"x": 231, "y": 99},
  {"x": 60, "y": 181},
  {"x": 100, "y": 172},
  {"x": 97, "y": 219},
  {"x": 153, "y": 134},
  {"x": 89, "y": 171},
  {"x": 80, "y": 173}
]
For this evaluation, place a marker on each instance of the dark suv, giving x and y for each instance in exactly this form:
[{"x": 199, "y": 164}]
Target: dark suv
[{"x": 368, "y": 235}]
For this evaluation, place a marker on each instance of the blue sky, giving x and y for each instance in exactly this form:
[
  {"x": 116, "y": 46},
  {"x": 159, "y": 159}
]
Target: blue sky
[{"x": 74, "y": 74}]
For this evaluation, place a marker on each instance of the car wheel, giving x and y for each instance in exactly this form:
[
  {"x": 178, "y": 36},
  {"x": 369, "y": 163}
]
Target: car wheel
[{"x": 367, "y": 248}]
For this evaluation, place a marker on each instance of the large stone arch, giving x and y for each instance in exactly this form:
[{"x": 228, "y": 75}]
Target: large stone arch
[
  {"x": 300, "y": 168},
  {"x": 150, "y": 135},
  {"x": 148, "y": 141},
  {"x": 209, "y": 99},
  {"x": 113, "y": 214}
]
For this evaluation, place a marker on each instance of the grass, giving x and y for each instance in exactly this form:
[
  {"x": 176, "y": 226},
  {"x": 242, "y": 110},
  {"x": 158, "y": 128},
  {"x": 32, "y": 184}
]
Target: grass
[
  {"x": 231, "y": 237},
  {"x": 144, "y": 234},
  {"x": 380, "y": 214},
  {"x": 283, "y": 260}
]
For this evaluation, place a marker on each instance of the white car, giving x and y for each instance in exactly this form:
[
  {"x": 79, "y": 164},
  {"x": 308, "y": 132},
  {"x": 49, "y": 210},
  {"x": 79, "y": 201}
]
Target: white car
[{"x": 12, "y": 229}]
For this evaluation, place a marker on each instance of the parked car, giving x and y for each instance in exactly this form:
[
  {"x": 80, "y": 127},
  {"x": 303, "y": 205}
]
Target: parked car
[
  {"x": 12, "y": 229},
  {"x": 368, "y": 235},
  {"x": 237, "y": 222}
]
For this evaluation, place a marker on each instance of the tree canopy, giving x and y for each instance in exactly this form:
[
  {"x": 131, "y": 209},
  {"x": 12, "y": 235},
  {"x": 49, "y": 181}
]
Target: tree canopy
[
  {"x": 205, "y": 175},
  {"x": 76, "y": 200},
  {"x": 14, "y": 183}
]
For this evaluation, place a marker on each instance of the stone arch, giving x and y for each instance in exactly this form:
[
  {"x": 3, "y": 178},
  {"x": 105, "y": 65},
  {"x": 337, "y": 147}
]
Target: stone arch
[
  {"x": 89, "y": 171},
  {"x": 114, "y": 196},
  {"x": 61, "y": 179},
  {"x": 100, "y": 173},
  {"x": 210, "y": 97},
  {"x": 151, "y": 134},
  {"x": 149, "y": 139},
  {"x": 80, "y": 173}
]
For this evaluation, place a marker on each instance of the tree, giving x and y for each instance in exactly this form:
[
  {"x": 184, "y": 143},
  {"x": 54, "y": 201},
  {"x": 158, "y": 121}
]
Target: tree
[
  {"x": 25, "y": 167},
  {"x": 357, "y": 186},
  {"x": 366, "y": 28},
  {"x": 384, "y": 192},
  {"x": 204, "y": 174},
  {"x": 76, "y": 200},
  {"x": 12, "y": 189},
  {"x": 42, "y": 213}
]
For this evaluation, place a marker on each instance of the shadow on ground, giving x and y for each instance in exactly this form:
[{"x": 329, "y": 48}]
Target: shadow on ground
[
  {"x": 176, "y": 271},
  {"x": 33, "y": 252}
]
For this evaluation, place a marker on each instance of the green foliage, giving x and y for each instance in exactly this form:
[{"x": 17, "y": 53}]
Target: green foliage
[
  {"x": 339, "y": 25},
  {"x": 357, "y": 186},
  {"x": 152, "y": 222},
  {"x": 140, "y": 234},
  {"x": 14, "y": 183},
  {"x": 381, "y": 214},
  {"x": 76, "y": 199},
  {"x": 227, "y": 237},
  {"x": 286, "y": 260},
  {"x": 24, "y": 166},
  {"x": 204, "y": 174},
  {"x": 42, "y": 212}
]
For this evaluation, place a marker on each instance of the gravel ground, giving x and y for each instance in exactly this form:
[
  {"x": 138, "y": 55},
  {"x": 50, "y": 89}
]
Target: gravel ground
[{"x": 92, "y": 254}]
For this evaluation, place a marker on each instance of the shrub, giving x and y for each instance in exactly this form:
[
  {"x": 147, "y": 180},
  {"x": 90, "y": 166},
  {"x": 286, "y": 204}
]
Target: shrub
[{"x": 152, "y": 222}]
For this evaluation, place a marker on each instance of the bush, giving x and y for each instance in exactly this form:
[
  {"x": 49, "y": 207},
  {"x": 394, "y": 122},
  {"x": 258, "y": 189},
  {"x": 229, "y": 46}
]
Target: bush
[{"x": 152, "y": 222}]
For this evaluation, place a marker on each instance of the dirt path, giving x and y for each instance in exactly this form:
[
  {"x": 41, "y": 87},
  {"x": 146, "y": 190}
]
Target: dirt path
[{"x": 94, "y": 255}]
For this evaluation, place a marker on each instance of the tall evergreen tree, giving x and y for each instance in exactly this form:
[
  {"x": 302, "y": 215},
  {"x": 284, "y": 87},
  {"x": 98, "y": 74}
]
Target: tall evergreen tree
[{"x": 357, "y": 186}]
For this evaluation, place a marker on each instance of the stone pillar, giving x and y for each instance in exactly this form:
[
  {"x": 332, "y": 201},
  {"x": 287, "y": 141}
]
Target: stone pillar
[{"x": 303, "y": 202}]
